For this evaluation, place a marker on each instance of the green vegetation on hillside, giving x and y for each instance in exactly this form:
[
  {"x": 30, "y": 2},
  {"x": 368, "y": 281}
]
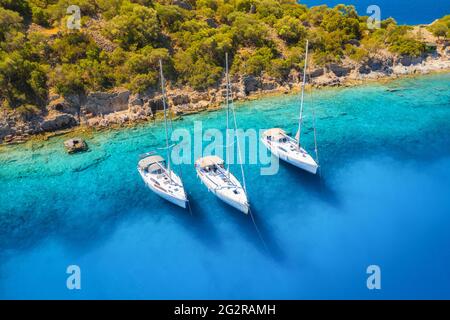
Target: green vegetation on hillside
[
  {"x": 39, "y": 53},
  {"x": 441, "y": 28}
]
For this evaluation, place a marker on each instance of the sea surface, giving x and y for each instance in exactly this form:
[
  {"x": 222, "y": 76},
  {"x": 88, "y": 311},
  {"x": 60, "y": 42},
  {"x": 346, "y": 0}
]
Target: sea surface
[
  {"x": 404, "y": 11},
  {"x": 382, "y": 198}
]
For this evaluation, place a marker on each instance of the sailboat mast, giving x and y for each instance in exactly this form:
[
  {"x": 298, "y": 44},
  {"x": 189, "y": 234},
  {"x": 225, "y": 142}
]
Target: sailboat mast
[
  {"x": 230, "y": 97},
  {"x": 165, "y": 116},
  {"x": 228, "y": 108},
  {"x": 300, "y": 121}
]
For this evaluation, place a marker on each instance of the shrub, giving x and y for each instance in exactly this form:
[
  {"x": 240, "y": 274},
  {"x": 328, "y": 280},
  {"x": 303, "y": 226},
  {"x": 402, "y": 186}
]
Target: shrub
[{"x": 135, "y": 27}]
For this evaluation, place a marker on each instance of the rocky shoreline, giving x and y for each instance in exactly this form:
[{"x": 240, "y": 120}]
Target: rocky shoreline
[{"x": 122, "y": 108}]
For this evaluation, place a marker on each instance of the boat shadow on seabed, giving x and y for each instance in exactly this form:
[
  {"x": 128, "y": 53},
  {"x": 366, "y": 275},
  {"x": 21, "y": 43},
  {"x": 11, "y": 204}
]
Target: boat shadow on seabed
[
  {"x": 256, "y": 231},
  {"x": 315, "y": 184},
  {"x": 196, "y": 220}
]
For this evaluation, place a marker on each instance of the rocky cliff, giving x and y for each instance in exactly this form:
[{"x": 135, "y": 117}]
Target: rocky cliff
[{"x": 120, "y": 106}]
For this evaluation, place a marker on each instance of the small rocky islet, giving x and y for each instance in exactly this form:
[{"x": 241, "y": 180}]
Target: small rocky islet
[{"x": 75, "y": 145}]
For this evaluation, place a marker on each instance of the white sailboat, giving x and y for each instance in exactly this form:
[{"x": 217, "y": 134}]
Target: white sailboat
[
  {"x": 218, "y": 179},
  {"x": 287, "y": 148},
  {"x": 157, "y": 175},
  {"x": 221, "y": 182}
]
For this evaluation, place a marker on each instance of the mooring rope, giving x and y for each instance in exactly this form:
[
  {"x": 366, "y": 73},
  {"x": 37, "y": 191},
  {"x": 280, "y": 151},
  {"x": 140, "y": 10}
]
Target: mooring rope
[{"x": 258, "y": 232}]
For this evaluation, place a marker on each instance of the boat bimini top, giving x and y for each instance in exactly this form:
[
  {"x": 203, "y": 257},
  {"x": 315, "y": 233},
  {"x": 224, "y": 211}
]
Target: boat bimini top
[
  {"x": 151, "y": 163},
  {"x": 275, "y": 134},
  {"x": 209, "y": 161}
]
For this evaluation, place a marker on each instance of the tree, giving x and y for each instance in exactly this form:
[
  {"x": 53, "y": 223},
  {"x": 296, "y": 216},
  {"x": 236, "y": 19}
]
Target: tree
[
  {"x": 171, "y": 17},
  {"x": 290, "y": 29},
  {"x": 135, "y": 27},
  {"x": 10, "y": 21},
  {"x": 21, "y": 81},
  {"x": 439, "y": 29},
  {"x": 20, "y": 6},
  {"x": 67, "y": 79},
  {"x": 73, "y": 46},
  {"x": 248, "y": 30},
  {"x": 253, "y": 62},
  {"x": 198, "y": 72},
  {"x": 406, "y": 46}
]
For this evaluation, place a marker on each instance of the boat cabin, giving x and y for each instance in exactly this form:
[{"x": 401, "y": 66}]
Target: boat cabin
[
  {"x": 152, "y": 164},
  {"x": 277, "y": 135},
  {"x": 210, "y": 163}
]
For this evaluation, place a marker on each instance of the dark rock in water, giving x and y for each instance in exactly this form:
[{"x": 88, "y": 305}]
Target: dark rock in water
[
  {"x": 393, "y": 89},
  {"x": 75, "y": 145}
]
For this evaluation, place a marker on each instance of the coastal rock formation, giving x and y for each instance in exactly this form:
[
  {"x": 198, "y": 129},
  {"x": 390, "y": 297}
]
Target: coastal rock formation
[
  {"x": 339, "y": 70},
  {"x": 179, "y": 99},
  {"x": 317, "y": 72},
  {"x": 135, "y": 100},
  {"x": 60, "y": 104},
  {"x": 376, "y": 64},
  {"x": 197, "y": 96},
  {"x": 251, "y": 84},
  {"x": 98, "y": 103},
  {"x": 121, "y": 107},
  {"x": 269, "y": 85},
  {"x": 327, "y": 79},
  {"x": 155, "y": 104},
  {"x": 75, "y": 145},
  {"x": 58, "y": 121},
  {"x": 408, "y": 61}
]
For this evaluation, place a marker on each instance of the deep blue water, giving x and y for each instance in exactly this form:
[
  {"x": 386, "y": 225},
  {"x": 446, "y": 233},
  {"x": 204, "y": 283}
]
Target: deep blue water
[
  {"x": 404, "y": 11},
  {"x": 382, "y": 199}
]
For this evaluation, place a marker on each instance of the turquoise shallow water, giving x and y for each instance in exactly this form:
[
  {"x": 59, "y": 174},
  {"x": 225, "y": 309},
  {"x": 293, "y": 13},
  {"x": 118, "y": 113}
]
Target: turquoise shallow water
[{"x": 382, "y": 199}]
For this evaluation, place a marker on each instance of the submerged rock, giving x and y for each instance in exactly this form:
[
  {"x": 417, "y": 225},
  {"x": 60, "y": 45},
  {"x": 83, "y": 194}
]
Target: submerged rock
[{"x": 75, "y": 145}]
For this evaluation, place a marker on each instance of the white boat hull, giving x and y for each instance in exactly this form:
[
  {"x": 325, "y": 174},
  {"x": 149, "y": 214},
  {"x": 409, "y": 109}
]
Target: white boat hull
[
  {"x": 226, "y": 195},
  {"x": 305, "y": 163},
  {"x": 177, "y": 200},
  {"x": 242, "y": 207}
]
